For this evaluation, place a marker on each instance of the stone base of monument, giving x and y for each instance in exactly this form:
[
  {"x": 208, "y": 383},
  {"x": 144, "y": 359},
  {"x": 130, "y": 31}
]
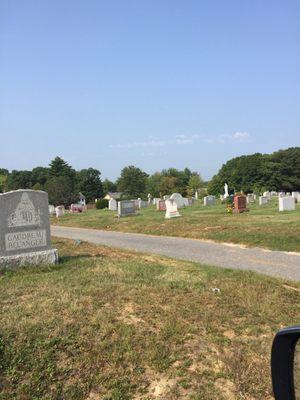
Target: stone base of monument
[{"x": 34, "y": 258}]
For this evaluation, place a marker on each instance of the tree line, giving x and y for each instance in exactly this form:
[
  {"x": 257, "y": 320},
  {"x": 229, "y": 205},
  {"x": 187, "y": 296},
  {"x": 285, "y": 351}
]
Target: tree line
[
  {"x": 63, "y": 183},
  {"x": 279, "y": 171},
  {"x": 252, "y": 173}
]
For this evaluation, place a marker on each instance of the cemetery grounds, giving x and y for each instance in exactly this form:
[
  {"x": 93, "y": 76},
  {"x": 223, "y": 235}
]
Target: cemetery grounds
[
  {"x": 263, "y": 226},
  {"x": 114, "y": 324},
  {"x": 117, "y": 325}
]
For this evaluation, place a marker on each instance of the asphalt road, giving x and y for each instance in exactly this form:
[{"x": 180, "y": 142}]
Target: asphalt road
[{"x": 275, "y": 263}]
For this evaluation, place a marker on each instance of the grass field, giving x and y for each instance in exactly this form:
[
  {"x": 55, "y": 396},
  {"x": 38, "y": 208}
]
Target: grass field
[
  {"x": 108, "y": 324},
  {"x": 262, "y": 226}
]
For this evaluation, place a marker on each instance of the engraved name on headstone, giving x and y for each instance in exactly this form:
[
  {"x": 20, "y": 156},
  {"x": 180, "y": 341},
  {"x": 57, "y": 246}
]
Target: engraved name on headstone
[{"x": 25, "y": 229}]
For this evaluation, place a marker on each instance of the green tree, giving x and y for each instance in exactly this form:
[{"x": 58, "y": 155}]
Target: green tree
[
  {"x": 3, "y": 183},
  {"x": 168, "y": 185},
  {"x": 19, "y": 180},
  {"x": 89, "y": 183},
  {"x": 195, "y": 183},
  {"x": 154, "y": 186},
  {"x": 59, "y": 167},
  {"x": 132, "y": 181},
  {"x": 109, "y": 186},
  {"x": 60, "y": 191},
  {"x": 4, "y": 171},
  {"x": 277, "y": 171},
  {"x": 40, "y": 176}
]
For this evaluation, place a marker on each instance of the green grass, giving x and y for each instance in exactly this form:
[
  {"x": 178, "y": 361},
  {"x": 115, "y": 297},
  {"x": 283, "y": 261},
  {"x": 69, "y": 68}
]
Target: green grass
[
  {"x": 263, "y": 226},
  {"x": 108, "y": 324}
]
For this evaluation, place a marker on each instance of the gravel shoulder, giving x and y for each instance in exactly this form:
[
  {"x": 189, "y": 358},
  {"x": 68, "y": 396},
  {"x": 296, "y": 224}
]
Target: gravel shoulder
[{"x": 274, "y": 263}]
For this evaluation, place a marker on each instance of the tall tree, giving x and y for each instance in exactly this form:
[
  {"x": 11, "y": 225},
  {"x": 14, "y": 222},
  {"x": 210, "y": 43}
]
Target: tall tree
[
  {"x": 59, "y": 167},
  {"x": 89, "y": 183},
  {"x": 19, "y": 180},
  {"x": 109, "y": 186},
  {"x": 195, "y": 183},
  {"x": 40, "y": 176},
  {"x": 132, "y": 181},
  {"x": 154, "y": 186},
  {"x": 60, "y": 191},
  {"x": 259, "y": 172}
]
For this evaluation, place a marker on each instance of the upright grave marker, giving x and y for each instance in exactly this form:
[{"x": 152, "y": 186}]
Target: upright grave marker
[
  {"x": 209, "y": 200},
  {"x": 178, "y": 199},
  {"x": 161, "y": 205},
  {"x": 126, "y": 207},
  {"x": 263, "y": 200},
  {"x": 286, "y": 203},
  {"x": 142, "y": 203},
  {"x": 240, "y": 204},
  {"x": 25, "y": 229},
  {"x": 112, "y": 205},
  {"x": 171, "y": 209}
]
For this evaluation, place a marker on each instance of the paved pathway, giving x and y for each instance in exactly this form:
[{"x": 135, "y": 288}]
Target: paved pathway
[{"x": 275, "y": 263}]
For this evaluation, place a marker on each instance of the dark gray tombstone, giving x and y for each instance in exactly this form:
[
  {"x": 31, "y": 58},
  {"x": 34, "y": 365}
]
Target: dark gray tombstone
[
  {"x": 126, "y": 207},
  {"x": 25, "y": 229}
]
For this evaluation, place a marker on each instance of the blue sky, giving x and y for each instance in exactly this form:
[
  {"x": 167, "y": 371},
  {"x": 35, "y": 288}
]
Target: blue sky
[{"x": 155, "y": 84}]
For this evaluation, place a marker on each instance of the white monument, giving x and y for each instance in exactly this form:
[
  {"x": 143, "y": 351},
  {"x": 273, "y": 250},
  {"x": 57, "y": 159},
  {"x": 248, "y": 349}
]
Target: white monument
[
  {"x": 171, "y": 209},
  {"x": 262, "y": 200},
  {"x": 112, "y": 205},
  {"x": 178, "y": 199},
  {"x": 226, "y": 194},
  {"x": 286, "y": 203},
  {"x": 60, "y": 211}
]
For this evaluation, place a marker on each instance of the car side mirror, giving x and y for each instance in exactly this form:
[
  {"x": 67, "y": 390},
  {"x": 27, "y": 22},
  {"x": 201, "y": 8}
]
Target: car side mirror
[{"x": 285, "y": 363}]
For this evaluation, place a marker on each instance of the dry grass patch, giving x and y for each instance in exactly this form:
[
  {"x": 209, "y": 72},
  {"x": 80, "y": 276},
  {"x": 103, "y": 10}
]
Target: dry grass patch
[{"x": 113, "y": 324}]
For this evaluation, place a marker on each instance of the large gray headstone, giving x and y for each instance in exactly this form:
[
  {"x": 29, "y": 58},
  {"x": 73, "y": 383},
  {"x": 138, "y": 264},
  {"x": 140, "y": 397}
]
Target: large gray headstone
[
  {"x": 25, "y": 229},
  {"x": 126, "y": 207}
]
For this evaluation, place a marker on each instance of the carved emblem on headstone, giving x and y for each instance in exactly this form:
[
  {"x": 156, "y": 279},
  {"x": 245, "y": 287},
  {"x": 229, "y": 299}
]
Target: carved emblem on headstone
[{"x": 25, "y": 214}]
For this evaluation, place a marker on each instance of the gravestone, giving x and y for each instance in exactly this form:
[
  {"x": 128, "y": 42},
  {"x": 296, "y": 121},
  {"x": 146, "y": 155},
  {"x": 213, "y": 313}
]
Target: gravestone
[
  {"x": 25, "y": 229},
  {"x": 171, "y": 209},
  {"x": 142, "y": 204},
  {"x": 226, "y": 194},
  {"x": 136, "y": 203},
  {"x": 186, "y": 201},
  {"x": 295, "y": 195},
  {"x": 250, "y": 198},
  {"x": 267, "y": 194},
  {"x": 240, "y": 204},
  {"x": 286, "y": 203},
  {"x": 112, "y": 205},
  {"x": 76, "y": 208},
  {"x": 178, "y": 199},
  {"x": 209, "y": 200},
  {"x": 155, "y": 200},
  {"x": 196, "y": 195},
  {"x": 262, "y": 200},
  {"x": 60, "y": 211},
  {"x": 166, "y": 197},
  {"x": 161, "y": 205},
  {"x": 51, "y": 209},
  {"x": 149, "y": 198},
  {"x": 126, "y": 207}
]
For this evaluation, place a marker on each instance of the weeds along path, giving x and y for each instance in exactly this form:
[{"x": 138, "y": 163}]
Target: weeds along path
[{"x": 274, "y": 263}]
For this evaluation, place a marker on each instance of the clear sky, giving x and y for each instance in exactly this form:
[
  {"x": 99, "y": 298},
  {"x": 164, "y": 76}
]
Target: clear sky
[{"x": 156, "y": 84}]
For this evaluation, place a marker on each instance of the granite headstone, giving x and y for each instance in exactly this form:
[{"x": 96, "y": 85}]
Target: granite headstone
[{"x": 25, "y": 229}]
